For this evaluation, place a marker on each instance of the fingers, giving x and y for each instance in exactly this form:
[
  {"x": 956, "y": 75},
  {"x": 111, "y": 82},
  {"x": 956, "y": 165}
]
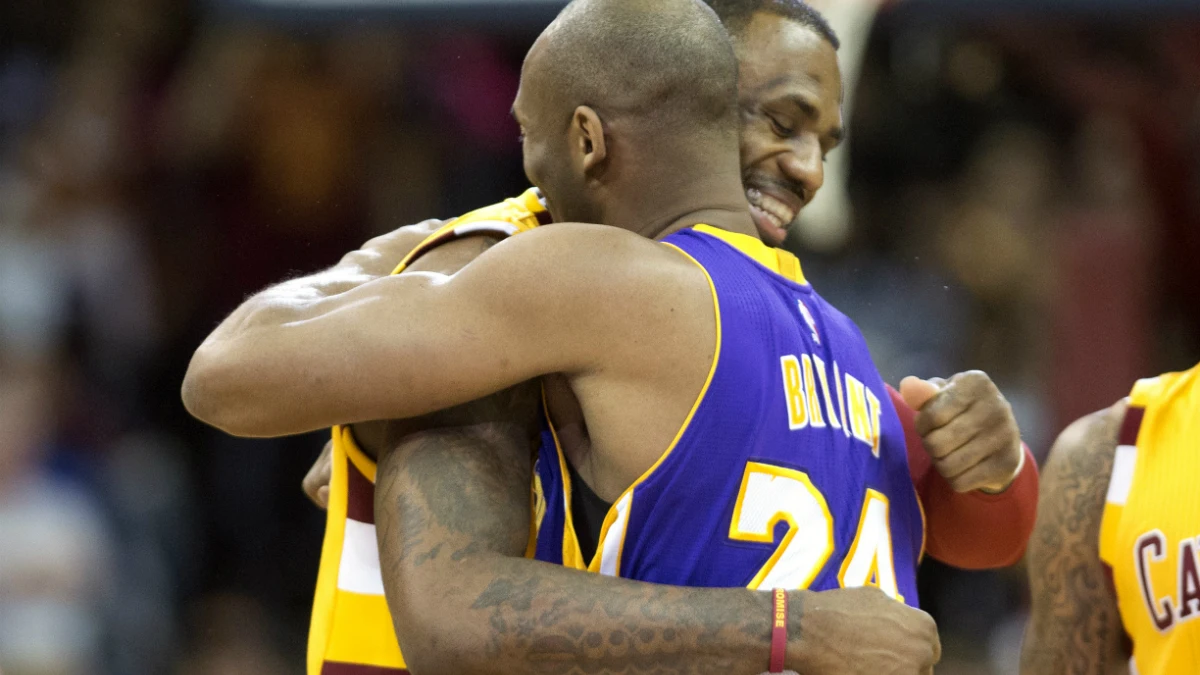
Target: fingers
[
  {"x": 917, "y": 392},
  {"x": 933, "y": 641},
  {"x": 994, "y": 473},
  {"x": 976, "y": 421},
  {"x": 969, "y": 431},
  {"x": 960, "y": 393},
  {"x": 937, "y": 645},
  {"x": 316, "y": 481}
]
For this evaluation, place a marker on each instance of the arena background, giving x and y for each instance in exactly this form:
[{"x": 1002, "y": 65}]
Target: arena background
[{"x": 1020, "y": 193}]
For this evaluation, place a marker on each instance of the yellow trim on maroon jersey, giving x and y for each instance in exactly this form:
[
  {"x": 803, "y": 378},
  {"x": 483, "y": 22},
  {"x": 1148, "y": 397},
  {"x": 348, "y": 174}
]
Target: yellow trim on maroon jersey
[
  {"x": 509, "y": 217},
  {"x": 320, "y": 628},
  {"x": 365, "y": 465},
  {"x": 924, "y": 527},
  {"x": 331, "y": 604}
]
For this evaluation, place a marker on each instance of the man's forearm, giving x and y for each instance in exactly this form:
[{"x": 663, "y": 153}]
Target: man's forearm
[
  {"x": 227, "y": 358},
  {"x": 453, "y": 522}
]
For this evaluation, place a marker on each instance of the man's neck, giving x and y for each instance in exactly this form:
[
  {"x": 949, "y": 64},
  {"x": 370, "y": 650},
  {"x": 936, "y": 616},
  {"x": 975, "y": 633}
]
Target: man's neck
[{"x": 714, "y": 200}]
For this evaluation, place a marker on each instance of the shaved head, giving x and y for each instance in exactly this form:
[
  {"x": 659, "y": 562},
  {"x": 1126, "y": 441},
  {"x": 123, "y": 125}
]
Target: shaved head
[
  {"x": 617, "y": 93},
  {"x": 655, "y": 59}
]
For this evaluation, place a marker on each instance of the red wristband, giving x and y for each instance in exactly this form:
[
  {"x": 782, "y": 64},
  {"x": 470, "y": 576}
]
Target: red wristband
[{"x": 779, "y": 634}]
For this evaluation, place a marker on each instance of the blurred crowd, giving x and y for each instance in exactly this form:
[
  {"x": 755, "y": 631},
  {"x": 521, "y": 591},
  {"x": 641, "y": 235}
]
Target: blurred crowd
[{"x": 1026, "y": 200}]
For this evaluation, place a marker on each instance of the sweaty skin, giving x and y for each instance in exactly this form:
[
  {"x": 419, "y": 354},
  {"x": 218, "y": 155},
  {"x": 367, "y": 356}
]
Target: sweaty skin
[{"x": 1075, "y": 626}]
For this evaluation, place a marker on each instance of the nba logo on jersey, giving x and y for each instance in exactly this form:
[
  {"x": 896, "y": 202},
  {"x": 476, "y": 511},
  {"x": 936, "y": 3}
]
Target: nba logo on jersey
[{"x": 808, "y": 318}]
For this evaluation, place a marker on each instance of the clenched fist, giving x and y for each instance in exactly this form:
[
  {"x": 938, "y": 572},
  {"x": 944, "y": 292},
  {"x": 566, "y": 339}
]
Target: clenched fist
[{"x": 968, "y": 429}]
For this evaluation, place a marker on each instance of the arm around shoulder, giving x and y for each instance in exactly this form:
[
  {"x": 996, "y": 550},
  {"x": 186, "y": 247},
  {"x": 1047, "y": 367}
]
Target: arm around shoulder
[{"x": 406, "y": 345}]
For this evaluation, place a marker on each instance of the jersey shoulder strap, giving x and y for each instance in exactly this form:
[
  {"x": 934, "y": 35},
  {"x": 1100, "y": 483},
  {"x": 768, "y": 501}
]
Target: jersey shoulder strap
[
  {"x": 351, "y": 629},
  {"x": 1146, "y": 393},
  {"x": 509, "y": 217},
  {"x": 1120, "y": 482}
]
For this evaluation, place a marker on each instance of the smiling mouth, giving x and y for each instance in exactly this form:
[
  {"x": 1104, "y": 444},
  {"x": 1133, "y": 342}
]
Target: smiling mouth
[{"x": 775, "y": 211}]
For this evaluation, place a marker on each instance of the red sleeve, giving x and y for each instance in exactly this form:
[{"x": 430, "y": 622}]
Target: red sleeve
[{"x": 972, "y": 530}]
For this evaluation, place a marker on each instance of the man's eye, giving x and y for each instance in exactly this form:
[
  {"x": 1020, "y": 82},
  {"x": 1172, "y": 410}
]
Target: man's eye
[{"x": 780, "y": 128}]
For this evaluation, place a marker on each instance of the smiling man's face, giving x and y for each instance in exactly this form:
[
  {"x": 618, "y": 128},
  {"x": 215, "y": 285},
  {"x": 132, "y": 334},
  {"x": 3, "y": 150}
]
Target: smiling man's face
[{"x": 790, "y": 95}]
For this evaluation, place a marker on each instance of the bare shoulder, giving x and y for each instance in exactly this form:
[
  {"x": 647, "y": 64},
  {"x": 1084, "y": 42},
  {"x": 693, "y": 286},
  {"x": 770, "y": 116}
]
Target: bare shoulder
[
  {"x": 583, "y": 242},
  {"x": 1074, "y": 623},
  {"x": 1084, "y": 450}
]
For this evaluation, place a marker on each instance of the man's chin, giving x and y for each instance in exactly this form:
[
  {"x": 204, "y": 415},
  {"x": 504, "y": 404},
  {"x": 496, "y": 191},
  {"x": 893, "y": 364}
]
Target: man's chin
[{"x": 772, "y": 234}]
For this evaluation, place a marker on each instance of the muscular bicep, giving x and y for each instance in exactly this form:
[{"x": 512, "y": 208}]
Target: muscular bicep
[
  {"x": 1075, "y": 626},
  {"x": 406, "y": 345}
]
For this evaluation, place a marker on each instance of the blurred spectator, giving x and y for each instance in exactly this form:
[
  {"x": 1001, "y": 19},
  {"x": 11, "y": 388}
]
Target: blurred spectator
[
  {"x": 232, "y": 638},
  {"x": 57, "y": 568}
]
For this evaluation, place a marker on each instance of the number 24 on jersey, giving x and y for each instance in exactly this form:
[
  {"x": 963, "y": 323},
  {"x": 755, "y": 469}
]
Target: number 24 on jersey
[{"x": 770, "y": 494}]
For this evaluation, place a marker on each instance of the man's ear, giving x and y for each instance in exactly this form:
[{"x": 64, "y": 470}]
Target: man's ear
[{"x": 587, "y": 140}]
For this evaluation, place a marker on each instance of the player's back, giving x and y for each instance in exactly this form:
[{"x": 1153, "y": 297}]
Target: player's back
[
  {"x": 790, "y": 471},
  {"x": 1150, "y": 533}
]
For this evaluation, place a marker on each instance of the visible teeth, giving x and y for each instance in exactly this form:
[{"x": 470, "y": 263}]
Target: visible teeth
[
  {"x": 769, "y": 216},
  {"x": 777, "y": 208},
  {"x": 777, "y": 211}
]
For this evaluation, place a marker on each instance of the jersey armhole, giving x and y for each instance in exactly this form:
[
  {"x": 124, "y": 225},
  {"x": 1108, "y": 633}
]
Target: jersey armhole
[{"x": 1120, "y": 484}]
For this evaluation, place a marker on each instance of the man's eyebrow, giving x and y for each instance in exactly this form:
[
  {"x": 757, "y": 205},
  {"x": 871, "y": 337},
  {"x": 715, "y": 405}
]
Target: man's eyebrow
[
  {"x": 810, "y": 110},
  {"x": 806, "y": 106}
]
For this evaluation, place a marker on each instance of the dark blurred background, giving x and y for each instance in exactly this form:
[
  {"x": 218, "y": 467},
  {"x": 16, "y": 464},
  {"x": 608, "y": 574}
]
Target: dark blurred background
[{"x": 1020, "y": 194}]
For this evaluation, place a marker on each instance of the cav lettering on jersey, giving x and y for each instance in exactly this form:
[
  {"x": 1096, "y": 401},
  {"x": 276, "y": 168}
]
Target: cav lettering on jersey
[
  {"x": 856, "y": 412},
  {"x": 1165, "y": 612}
]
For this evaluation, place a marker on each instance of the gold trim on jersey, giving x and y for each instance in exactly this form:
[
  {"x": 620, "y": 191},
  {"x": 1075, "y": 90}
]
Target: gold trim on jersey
[
  {"x": 572, "y": 555},
  {"x": 320, "y": 628},
  {"x": 777, "y": 260},
  {"x": 350, "y": 628},
  {"x": 365, "y": 465}
]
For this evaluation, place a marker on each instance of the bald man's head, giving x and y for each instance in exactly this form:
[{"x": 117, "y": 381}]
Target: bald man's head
[
  {"x": 644, "y": 75},
  {"x": 650, "y": 58}
]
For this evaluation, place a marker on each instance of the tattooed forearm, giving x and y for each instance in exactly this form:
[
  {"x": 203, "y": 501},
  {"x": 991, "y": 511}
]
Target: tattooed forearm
[
  {"x": 452, "y": 508},
  {"x": 1075, "y": 627}
]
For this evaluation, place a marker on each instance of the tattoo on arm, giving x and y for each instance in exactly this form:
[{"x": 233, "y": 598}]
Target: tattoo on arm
[
  {"x": 453, "y": 511},
  {"x": 1075, "y": 625}
]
